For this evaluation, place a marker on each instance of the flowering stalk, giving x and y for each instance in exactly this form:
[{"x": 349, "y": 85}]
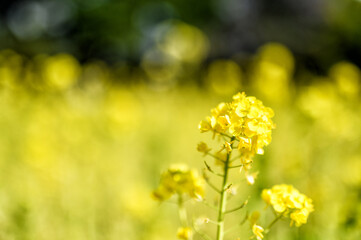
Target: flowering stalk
[
  {"x": 273, "y": 223},
  {"x": 245, "y": 125},
  {"x": 182, "y": 211},
  {"x": 223, "y": 199}
]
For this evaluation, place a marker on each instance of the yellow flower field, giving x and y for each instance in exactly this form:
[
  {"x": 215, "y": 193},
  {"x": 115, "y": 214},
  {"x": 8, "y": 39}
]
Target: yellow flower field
[{"x": 82, "y": 151}]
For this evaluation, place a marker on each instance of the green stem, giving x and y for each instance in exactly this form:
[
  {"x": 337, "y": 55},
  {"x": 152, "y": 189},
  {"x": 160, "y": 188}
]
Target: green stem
[
  {"x": 273, "y": 222},
  {"x": 182, "y": 211},
  {"x": 211, "y": 170},
  {"x": 223, "y": 201}
]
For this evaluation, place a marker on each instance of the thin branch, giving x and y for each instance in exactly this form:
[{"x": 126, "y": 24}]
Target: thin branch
[
  {"x": 212, "y": 186},
  {"x": 273, "y": 222},
  {"x": 214, "y": 156},
  {"x": 211, "y": 221},
  {"x": 236, "y": 166},
  {"x": 237, "y": 208},
  {"x": 211, "y": 170}
]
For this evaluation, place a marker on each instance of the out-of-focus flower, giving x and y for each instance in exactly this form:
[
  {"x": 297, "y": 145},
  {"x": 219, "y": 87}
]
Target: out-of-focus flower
[
  {"x": 178, "y": 179},
  {"x": 184, "y": 233},
  {"x": 224, "y": 77},
  {"x": 288, "y": 201},
  {"x": 203, "y": 147},
  {"x": 184, "y": 42},
  {"x": 257, "y": 231},
  {"x": 272, "y": 73},
  {"x": 300, "y": 216},
  {"x": 251, "y": 178},
  {"x": 347, "y": 77},
  {"x": 11, "y": 65},
  {"x": 161, "y": 69},
  {"x": 61, "y": 71},
  {"x": 323, "y": 102}
]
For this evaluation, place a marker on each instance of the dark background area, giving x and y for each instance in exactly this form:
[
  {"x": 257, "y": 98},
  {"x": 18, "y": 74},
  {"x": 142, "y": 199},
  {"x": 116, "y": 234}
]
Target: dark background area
[{"x": 318, "y": 32}]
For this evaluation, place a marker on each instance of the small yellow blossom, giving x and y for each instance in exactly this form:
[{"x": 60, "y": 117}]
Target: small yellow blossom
[
  {"x": 287, "y": 200},
  {"x": 228, "y": 147},
  {"x": 204, "y": 126},
  {"x": 184, "y": 233},
  {"x": 178, "y": 179},
  {"x": 257, "y": 231},
  {"x": 203, "y": 147}
]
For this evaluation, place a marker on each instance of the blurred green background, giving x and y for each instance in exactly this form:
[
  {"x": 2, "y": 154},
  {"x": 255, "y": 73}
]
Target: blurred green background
[{"x": 98, "y": 97}]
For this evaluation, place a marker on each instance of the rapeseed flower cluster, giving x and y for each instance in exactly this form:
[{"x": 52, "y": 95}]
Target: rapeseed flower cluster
[
  {"x": 246, "y": 120},
  {"x": 288, "y": 201},
  {"x": 245, "y": 125},
  {"x": 178, "y": 179}
]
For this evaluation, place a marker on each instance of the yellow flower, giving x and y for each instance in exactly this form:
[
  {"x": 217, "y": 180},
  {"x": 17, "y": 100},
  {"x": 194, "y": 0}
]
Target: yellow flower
[
  {"x": 266, "y": 195},
  {"x": 299, "y": 216},
  {"x": 184, "y": 233},
  {"x": 257, "y": 231},
  {"x": 178, "y": 179},
  {"x": 228, "y": 147},
  {"x": 204, "y": 126},
  {"x": 246, "y": 119},
  {"x": 287, "y": 200}
]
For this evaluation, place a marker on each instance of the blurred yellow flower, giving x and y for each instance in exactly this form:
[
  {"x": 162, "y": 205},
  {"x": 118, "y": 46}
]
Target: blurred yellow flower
[
  {"x": 347, "y": 77},
  {"x": 299, "y": 216},
  {"x": 203, "y": 147},
  {"x": 257, "y": 231},
  {"x": 287, "y": 200},
  {"x": 178, "y": 179},
  {"x": 61, "y": 71},
  {"x": 184, "y": 42},
  {"x": 251, "y": 178},
  {"x": 184, "y": 233},
  {"x": 224, "y": 77},
  {"x": 272, "y": 73}
]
